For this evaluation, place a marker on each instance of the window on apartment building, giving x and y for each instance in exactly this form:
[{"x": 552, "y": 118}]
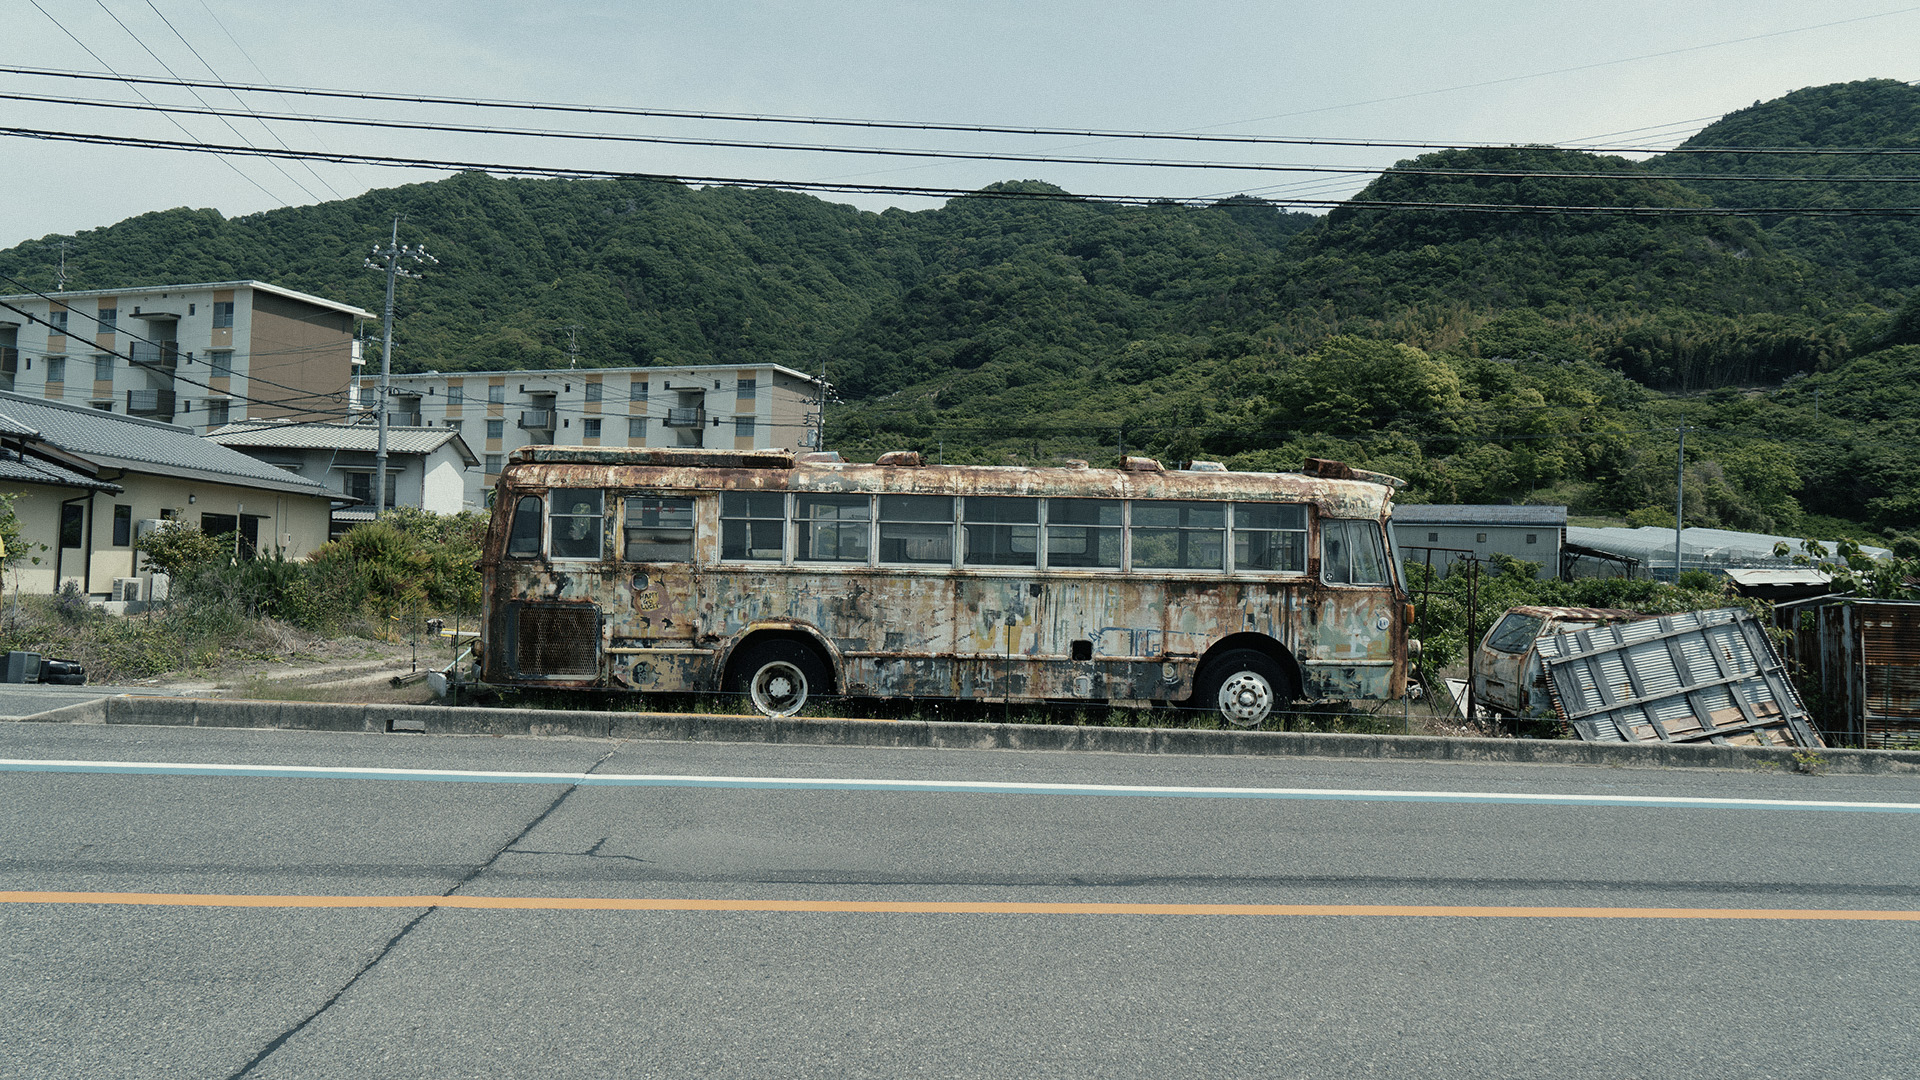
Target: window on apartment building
[
  {"x": 122, "y": 525},
  {"x": 638, "y": 391},
  {"x": 222, "y": 313},
  {"x": 456, "y": 395},
  {"x": 217, "y": 411},
  {"x": 57, "y": 369},
  {"x": 743, "y": 427},
  {"x": 455, "y": 424},
  {"x": 636, "y": 427},
  {"x": 102, "y": 367},
  {"x": 1479, "y": 538},
  {"x": 593, "y": 391},
  {"x": 493, "y": 464},
  {"x": 497, "y": 393},
  {"x": 748, "y": 389},
  {"x": 108, "y": 320},
  {"x": 1533, "y": 538},
  {"x": 1433, "y": 538},
  {"x": 58, "y": 317},
  {"x": 72, "y": 525},
  {"x": 220, "y": 363},
  {"x": 590, "y": 429},
  {"x": 496, "y": 429}
]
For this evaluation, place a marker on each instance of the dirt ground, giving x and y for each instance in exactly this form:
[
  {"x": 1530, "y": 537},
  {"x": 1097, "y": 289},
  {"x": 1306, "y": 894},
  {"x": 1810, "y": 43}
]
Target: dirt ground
[{"x": 319, "y": 669}]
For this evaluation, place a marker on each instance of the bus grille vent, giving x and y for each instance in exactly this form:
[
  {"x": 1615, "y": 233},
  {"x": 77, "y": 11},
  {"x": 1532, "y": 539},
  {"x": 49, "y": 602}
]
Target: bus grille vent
[{"x": 558, "y": 640}]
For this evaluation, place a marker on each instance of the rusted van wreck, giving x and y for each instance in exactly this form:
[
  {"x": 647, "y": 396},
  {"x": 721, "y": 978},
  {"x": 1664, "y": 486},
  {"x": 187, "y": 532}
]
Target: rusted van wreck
[
  {"x": 781, "y": 577},
  {"x": 1619, "y": 676}
]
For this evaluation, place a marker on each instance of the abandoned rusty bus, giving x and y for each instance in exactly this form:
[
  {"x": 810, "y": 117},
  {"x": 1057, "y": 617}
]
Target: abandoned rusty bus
[{"x": 784, "y": 577}]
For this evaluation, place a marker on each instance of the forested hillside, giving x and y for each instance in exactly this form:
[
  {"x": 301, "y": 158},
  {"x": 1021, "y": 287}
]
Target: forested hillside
[{"x": 1485, "y": 356}]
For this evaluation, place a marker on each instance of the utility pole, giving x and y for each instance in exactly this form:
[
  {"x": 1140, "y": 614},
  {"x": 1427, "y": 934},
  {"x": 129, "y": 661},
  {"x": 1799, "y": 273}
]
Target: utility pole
[
  {"x": 1679, "y": 496},
  {"x": 389, "y": 260},
  {"x": 573, "y": 345},
  {"x": 817, "y": 420}
]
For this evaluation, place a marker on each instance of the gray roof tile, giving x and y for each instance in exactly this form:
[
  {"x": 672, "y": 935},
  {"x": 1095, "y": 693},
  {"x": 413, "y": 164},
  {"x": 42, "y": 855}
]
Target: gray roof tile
[{"x": 144, "y": 445}]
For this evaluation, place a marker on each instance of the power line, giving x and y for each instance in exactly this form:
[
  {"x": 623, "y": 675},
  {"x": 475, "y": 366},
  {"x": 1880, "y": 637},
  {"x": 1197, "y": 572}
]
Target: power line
[
  {"x": 915, "y": 125},
  {"x": 969, "y": 155},
  {"x": 243, "y": 105},
  {"x": 116, "y": 76},
  {"x": 575, "y": 172}
]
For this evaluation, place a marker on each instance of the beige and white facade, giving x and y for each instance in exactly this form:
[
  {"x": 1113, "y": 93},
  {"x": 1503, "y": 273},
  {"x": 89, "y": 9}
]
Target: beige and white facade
[
  {"x": 717, "y": 406},
  {"x": 199, "y": 356}
]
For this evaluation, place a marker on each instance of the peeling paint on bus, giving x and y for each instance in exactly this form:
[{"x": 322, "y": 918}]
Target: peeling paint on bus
[{"x": 994, "y": 633}]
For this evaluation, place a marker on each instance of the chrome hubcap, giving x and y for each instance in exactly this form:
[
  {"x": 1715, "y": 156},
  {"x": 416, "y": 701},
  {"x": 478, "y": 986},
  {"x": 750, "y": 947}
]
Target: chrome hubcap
[{"x": 1245, "y": 699}]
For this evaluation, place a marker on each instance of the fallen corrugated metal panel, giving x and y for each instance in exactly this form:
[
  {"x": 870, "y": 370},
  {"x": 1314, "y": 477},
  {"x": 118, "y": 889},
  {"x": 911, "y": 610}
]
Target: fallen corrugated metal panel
[{"x": 1697, "y": 676}]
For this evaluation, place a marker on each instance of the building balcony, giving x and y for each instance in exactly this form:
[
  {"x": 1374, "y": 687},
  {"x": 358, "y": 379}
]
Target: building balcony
[
  {"x": 154, "y": 403},
  {"x": 164, "y": 355},
  {"x": 686, "y": 417},
  {"x": 536, "y": 419}
]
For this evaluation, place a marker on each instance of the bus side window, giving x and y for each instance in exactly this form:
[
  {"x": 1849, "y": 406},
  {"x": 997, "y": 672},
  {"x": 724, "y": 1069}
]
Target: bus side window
[
  {"x": 1083, "y": 532},
  {"x": 1269, "y": 536},
  {"x": 1002, "y": 531},
  {"x": 832, "y": 528},
  {"x": 916, "y": 529},
  {"x": 576, "y": 523},
  {"x": 524, "y": 541},
  {"x": 659, "y": 528},
  {"x": 750, "y": 525},
  {"x": 1350, "y": 553},
  {"x": 1179, "y": 535}
]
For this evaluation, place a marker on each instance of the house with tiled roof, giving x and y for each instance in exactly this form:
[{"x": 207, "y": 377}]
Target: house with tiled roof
[
  {"x": 427, "y": 467},
  {"x": 87, "y": 484}
]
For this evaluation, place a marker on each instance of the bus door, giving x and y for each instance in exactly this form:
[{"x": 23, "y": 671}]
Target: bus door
[
  {"x": 1355, "y": 619},
  {"x": 661, "y": 602}
]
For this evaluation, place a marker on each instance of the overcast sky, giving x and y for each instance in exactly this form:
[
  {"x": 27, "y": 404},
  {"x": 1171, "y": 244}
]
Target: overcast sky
[{"x": 1615, "y": 72}]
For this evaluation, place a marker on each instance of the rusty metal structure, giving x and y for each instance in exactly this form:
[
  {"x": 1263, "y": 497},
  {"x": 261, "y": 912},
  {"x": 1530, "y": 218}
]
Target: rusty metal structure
[
  {"x": 1508, "y": 677},
  {"x": 782, "y": 577},
  {"x": 1695, "y": 676},
  {"x": 1863, "y": 656}
]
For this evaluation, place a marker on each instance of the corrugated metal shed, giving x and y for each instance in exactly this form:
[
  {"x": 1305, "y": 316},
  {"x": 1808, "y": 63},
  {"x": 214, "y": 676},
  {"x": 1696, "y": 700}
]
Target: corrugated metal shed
[
  {"x": 1865, "y": 657},
  {"x": 1471, "y": 514},
  {"x": 1700, "y": 549},
  {"x": 1697, "y": 676}
]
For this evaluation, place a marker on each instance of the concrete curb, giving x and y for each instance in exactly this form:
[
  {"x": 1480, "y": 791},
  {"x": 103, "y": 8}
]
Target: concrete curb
[{"x": 949, "y": 735}]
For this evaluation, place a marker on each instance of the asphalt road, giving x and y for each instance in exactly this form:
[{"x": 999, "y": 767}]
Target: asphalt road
[{"x": 1644, "y": 982}]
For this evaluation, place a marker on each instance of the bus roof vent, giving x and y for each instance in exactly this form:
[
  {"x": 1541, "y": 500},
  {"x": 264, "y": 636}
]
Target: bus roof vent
[
  {"x": 1141, "y": 464},
  {"x": 1075, "y": 463},
  {"x": 822, "y": 457},
  {"x": 909, "y": 459},
  {"x": 1327, "y": 469},
  {"x": 1205, "y": 466}
]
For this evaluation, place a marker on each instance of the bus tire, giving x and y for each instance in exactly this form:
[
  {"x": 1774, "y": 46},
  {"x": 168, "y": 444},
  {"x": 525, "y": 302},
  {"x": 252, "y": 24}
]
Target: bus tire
[
  {"x": 778, "y": 677},
  {"x": 1243, "y": 686}
]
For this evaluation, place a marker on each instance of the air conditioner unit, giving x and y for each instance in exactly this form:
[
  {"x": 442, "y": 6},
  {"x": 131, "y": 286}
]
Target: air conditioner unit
[
  {"x": 159, "y": 587},
  {"x": 128, "y": 588},
  {"x": 146, "y": 526}
]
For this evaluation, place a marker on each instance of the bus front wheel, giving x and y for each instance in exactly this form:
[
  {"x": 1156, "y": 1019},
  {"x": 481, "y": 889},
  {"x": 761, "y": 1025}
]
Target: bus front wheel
[
  {"x": 779, "y": 677},
  {"x": 1244, "y": 686}
]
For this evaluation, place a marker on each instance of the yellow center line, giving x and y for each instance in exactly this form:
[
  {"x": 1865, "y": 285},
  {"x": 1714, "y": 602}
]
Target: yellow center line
[{"x": 942, "y": 907}]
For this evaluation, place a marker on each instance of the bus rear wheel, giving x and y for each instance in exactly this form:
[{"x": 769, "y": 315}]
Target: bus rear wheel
[
  {"x": 1244, "y": 686},
  {"x": 778, "y": 677}
]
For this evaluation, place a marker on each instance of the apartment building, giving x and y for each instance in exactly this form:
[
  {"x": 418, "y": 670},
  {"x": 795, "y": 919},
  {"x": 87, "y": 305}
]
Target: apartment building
[
  {"x": 723, "y": 406},
  {"x": 199, "y": 356}
]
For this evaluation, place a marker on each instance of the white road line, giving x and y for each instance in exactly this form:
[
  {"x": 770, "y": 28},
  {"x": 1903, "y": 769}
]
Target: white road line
[{"x": 983, "y": 787}]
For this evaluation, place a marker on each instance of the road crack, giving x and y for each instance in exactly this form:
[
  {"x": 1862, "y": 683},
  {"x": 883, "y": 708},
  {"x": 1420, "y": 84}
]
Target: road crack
[{"x": 268, "y": 1050}]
